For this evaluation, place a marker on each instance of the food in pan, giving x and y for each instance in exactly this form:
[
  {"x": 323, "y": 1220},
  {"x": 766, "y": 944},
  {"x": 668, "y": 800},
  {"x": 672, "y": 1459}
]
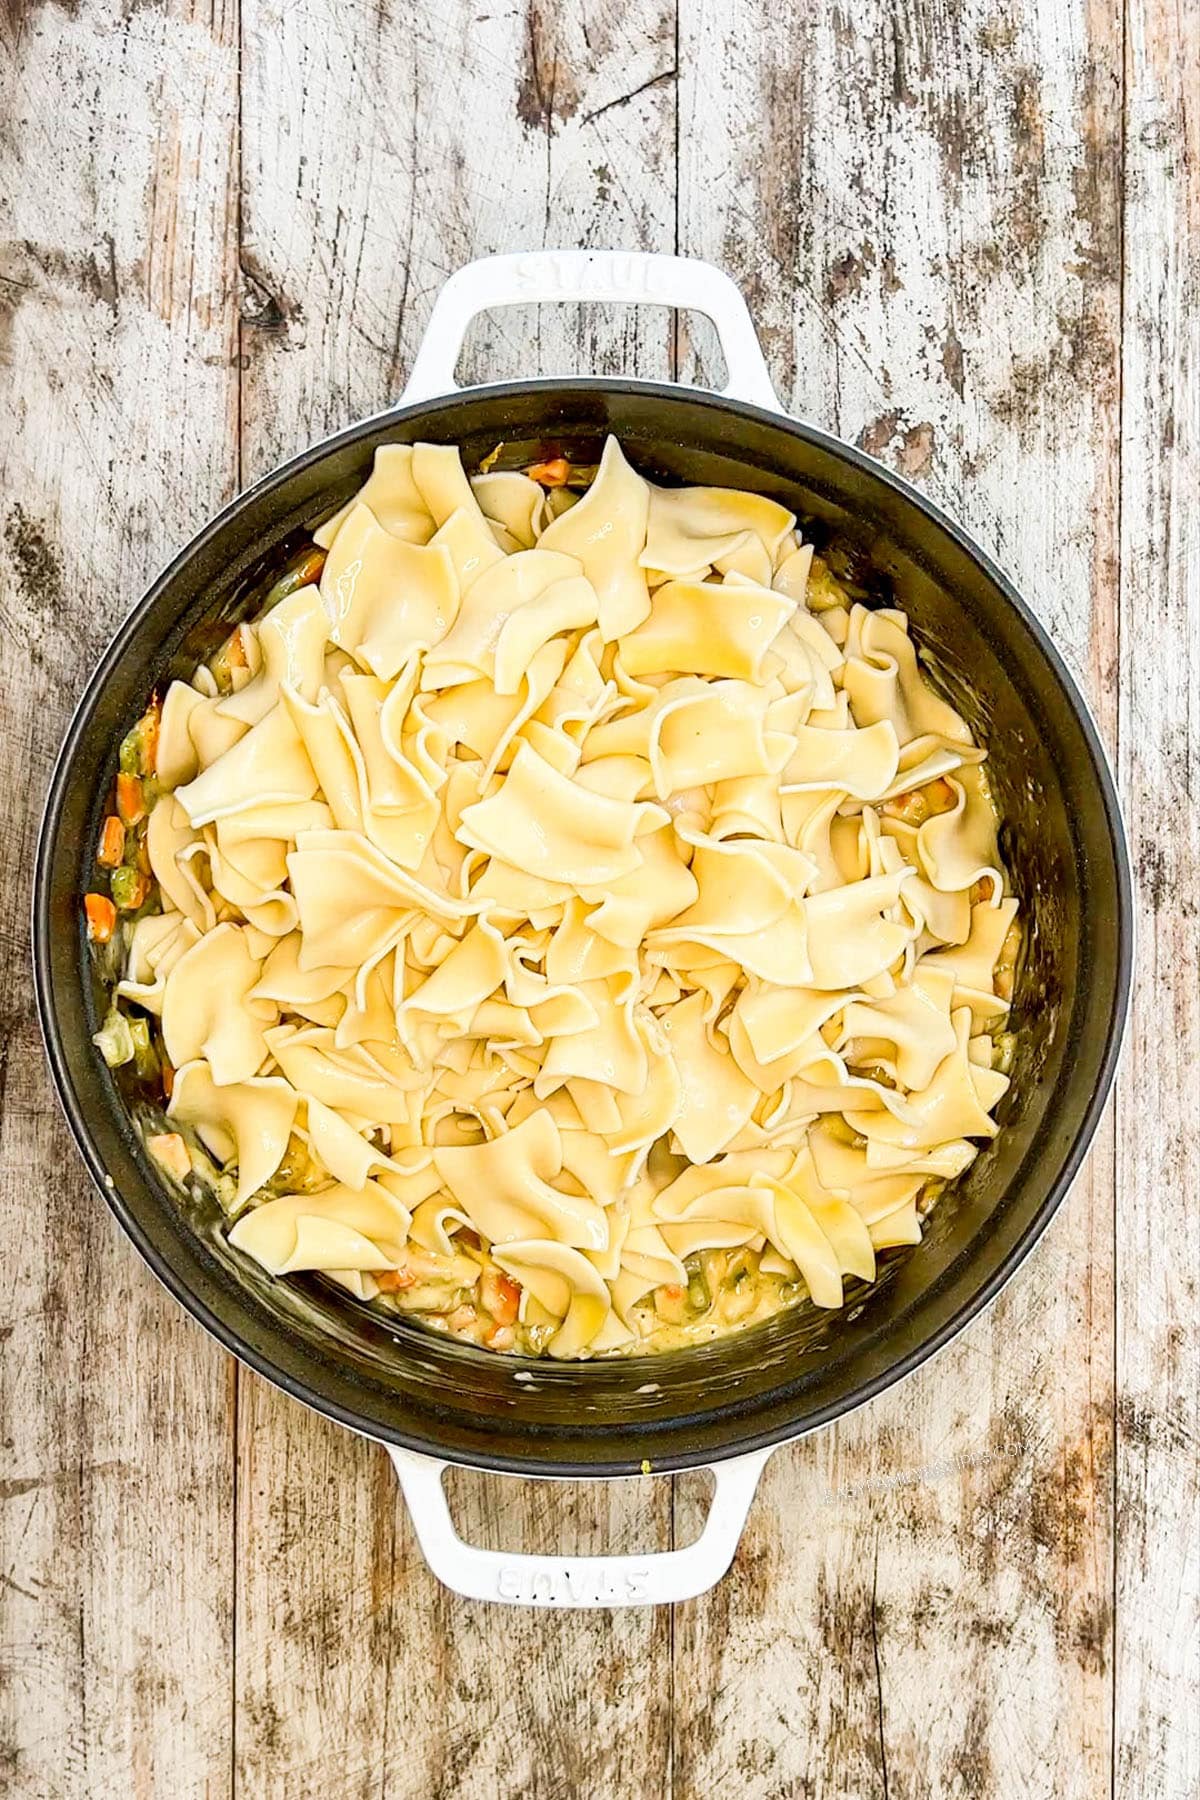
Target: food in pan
[{"x": 566, "y": 914}]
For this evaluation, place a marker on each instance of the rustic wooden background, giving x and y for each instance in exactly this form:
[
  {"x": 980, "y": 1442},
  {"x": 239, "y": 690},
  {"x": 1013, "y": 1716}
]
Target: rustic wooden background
[{"x": 970, "y": 233}]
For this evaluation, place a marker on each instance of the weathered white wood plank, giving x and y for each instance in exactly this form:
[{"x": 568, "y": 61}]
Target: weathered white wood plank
[
  {"x": 118, "y": 405},
  {"x": 923, "y": 209},
  {"x": 1158, "y": 1261},
  {"x": 470, "y": 132}
]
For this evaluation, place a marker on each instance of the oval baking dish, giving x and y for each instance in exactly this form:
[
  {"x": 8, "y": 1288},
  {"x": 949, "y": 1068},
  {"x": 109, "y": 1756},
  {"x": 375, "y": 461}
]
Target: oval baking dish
[{"x": 726, "y": 1404}]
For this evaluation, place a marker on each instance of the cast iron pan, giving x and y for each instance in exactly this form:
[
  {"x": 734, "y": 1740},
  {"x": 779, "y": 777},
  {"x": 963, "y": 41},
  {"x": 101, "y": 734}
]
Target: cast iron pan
[{"x": 1064, "y": 845}]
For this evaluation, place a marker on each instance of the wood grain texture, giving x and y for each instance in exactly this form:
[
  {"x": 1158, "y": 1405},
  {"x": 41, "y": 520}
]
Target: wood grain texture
[
  {"x": 1158, "y": 1262},
  {"x": 116, "y": 1604},
  {"x": 925, "y": 1592},
  {"x": 969, "y": 235},
  {"x": 472, "y": 133}
]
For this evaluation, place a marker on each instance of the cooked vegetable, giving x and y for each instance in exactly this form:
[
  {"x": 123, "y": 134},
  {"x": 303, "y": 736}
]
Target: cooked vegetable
[
  {"x": 929, "y": 1196},
  {"x": 499, "y": 1295},
  {"x": 129, "y": 757},
  {"x": 824, "y": 590},
  {"x": 552, "y": 474},
  {"x": 741, "y": 1267},
  {"x": 699, "y": 1298},
  {"x": 921, "y": 803},
  {"x": 145, "y": 1057},
  {"x": 168, "y": 1077},
  {"x": 395, "y": 1281},
  {"x": 299, "y": 1172},
  {"x": 129, "y": 887},
  {"x": 137, "y": 850},
  {"x": 537, "y": 1337},
  {"x": 112, "y": 843},
  {"x": 713, "y": 1264},
  {"x": 139, "y": 747},
  {"x": 670, "y": 1303},
  {"x": 114, "y": 1040},
  {"x": 231, "y": 662},
  {"x": 739, "y": 1291},
  {"x": 151, "y": 720},
  {"x": 131, "y": 802},
  {"x": 307, "y": 569},
  {"x": 171, "y": 1154},
  {"x": 101, "y": 917}
]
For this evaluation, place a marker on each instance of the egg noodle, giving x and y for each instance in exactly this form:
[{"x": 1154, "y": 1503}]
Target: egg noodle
[{"x": 573, "y": 920}]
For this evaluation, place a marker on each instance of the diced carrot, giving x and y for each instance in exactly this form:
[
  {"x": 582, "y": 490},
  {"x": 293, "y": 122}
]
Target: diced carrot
[
  {"x": 553, "y": 474},
  {"x": 394, "y": 1281},
  {"x": 669, "y": 1303},
  {"x": 310, "y": 565},
  {"x": 168, "y": 1077},
  {"x": 170, "y": 1152},
  {"x": 499, "y": 1295},
  {"x": 150, "y": 724},
  {"x": 112, "y": 843},
  {"x": 130, "y": 800},
  {"x": 500, "y": 1337},
  {"x": 101, "y": 917},
  {"x": 235, "y": 651}
]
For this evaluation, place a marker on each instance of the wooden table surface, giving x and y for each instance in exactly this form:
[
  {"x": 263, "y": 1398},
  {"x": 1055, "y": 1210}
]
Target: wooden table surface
[{"x": 970, "y": 233}]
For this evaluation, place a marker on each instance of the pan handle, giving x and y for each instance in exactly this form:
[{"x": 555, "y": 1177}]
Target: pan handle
[
  {"x": 631, "y": 275},
  {"x": 577, "y": 1581}
]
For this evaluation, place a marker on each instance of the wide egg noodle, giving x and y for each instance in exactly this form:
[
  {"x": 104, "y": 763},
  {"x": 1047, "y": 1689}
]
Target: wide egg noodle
[
  {"x": 504, "y": 1186},
  {"x": 156, "y": 944},
  {"x": 498, "y": 595},
  {"x": 512, "y": 501},
  {"x": 245, "y": 1123},
  {"x": 550, "y": 888},
  {"x": 337, "y": 1228},
  {"x": 606, "y": 531},
  {"x": 706, "y": 629},
  {"x": 392, "y": 495},
  {"x": 383, "y": 595},
  {"x": 549, "y": 826},
  {"x": 292, "y": 640},
  {"x": 268, "y": 764},
  {"x": 172, "y": 846},
  {"x": 718, "y": 1098},
  {"x": 207, "y": 1012}
]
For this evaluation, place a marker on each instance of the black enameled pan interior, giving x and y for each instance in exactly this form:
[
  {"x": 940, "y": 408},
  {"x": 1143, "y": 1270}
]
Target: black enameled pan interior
[{"x": 1063, "y": 842}]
